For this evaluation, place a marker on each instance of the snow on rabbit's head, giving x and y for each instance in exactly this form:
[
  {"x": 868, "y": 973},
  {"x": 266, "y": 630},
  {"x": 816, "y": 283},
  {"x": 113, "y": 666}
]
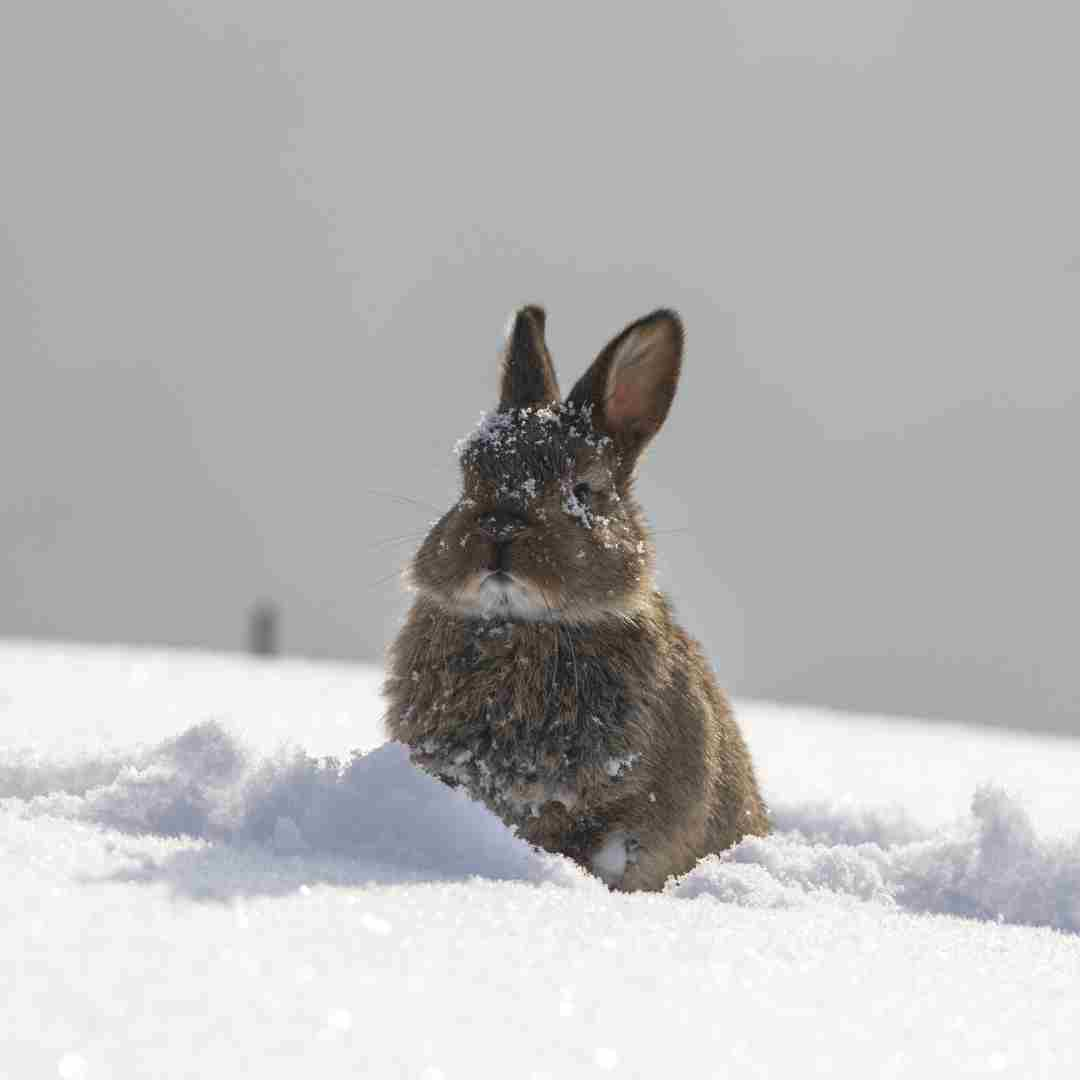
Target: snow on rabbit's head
[{"x": 546, "y": 527}]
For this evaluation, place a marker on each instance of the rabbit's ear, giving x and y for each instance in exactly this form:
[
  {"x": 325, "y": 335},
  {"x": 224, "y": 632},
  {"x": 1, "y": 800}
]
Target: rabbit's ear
[
  {"x": 631, "y": 384},
  {"x": 528, "y": 375}
]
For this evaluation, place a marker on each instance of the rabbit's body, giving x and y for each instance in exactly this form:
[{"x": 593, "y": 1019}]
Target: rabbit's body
[
  {"x": 585, "y": 738},
  {"x": 539, "y": 667}
]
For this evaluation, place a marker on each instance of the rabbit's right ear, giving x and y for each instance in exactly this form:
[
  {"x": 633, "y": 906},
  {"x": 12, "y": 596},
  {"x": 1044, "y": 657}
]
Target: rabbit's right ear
[{"x": 528, "y": 375}]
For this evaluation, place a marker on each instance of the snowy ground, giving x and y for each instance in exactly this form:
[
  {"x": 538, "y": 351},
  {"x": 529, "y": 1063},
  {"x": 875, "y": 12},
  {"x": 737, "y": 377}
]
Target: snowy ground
[{"x": 187, "y": 895}]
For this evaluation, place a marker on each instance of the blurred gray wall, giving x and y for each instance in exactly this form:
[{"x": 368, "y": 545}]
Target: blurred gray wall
[{"x": 257, "y": 256}]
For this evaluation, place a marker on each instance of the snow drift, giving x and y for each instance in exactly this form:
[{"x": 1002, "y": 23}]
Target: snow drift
[
  {"x": 202, "y": 878},
  {"x": 397, "y": 824}
]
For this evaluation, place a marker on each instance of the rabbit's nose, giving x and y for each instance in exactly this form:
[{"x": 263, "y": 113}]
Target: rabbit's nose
[{"x": 501, "y": 526}]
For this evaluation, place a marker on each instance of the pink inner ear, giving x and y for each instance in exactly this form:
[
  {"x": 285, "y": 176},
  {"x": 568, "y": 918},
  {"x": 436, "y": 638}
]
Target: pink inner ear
[
  {"x": 627, "y": 402},
  {"x": 641, "y": 379},
  {"x": 636, "y": 398}
]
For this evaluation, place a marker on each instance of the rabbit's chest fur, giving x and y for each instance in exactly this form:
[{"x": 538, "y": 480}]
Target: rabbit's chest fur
[{"x": 524, "y": 715}]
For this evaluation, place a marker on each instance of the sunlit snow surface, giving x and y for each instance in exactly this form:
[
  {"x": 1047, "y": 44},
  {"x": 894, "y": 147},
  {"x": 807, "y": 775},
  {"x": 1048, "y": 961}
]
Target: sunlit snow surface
[{"x": 201, "y": 879}]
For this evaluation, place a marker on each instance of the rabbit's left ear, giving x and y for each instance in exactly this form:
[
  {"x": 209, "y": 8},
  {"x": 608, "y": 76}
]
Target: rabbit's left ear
[
  {"x": 528, "y": 375},
  {"x": 631, "y": 384}
]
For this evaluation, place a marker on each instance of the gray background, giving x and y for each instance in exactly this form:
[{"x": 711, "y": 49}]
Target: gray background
[{"x": 257, "y": 258}]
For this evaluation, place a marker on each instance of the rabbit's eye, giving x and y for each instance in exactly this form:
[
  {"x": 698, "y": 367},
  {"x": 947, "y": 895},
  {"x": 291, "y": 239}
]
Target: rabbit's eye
[{"x": 582, "y": 492}]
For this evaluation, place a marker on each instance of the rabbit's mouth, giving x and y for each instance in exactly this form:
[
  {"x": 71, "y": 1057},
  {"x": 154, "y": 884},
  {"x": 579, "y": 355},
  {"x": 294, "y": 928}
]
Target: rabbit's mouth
[
  {"x": 498, "y": 587},
  {"x": 501, "y": 593}
]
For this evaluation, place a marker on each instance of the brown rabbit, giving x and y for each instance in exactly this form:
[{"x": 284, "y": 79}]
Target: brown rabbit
[{"x": 539, "y": 666}]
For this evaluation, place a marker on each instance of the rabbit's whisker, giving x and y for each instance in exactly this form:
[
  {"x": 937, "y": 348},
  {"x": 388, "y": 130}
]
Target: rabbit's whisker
[
  {"x": 405, "y": 499},
  {"x": 396, "y": 573},
  {"x": 391, "y": 540}
]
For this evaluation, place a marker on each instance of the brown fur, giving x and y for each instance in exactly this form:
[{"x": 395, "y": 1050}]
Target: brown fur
[{"x": 567, "y": 698}]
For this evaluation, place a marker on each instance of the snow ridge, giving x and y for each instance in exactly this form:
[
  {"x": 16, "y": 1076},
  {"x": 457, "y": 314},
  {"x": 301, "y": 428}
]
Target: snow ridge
[
  {"x": 989, "y": 866},
  {"x": 395, "y": 824},
  {"x": 376, "y": 809}
]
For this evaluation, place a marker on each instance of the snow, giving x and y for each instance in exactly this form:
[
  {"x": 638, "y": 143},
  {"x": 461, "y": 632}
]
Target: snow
[
  {"x": 609, "y": 863},
  {"x": 493, "y": 429},
  {"x": 202, "y": 878},
  {"x": 507, "y": 430},
  {"x": 575, "y": 507},
  {"x": 991, "y": 867}
]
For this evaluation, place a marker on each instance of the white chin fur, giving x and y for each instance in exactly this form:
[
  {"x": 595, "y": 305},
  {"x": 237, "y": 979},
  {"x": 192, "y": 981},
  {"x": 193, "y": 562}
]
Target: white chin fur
[{"x": 492, "y": 597}]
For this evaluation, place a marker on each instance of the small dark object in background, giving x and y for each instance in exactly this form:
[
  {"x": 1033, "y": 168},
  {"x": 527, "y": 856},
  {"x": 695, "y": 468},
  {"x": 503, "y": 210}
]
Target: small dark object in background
[{"x": 263, "y": 629}]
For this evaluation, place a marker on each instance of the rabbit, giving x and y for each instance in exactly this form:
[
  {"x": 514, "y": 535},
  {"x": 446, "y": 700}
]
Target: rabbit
[{"x": 539, "y": 668}]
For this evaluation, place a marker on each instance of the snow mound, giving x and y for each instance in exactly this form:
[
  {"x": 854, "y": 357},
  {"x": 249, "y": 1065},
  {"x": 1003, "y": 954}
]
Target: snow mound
[
  {"x": 184, "y": 897},
  {"x": 989, "y": 866},
  {"x": 390, "y": 820},
  {"x": 376, "y": 818}
]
